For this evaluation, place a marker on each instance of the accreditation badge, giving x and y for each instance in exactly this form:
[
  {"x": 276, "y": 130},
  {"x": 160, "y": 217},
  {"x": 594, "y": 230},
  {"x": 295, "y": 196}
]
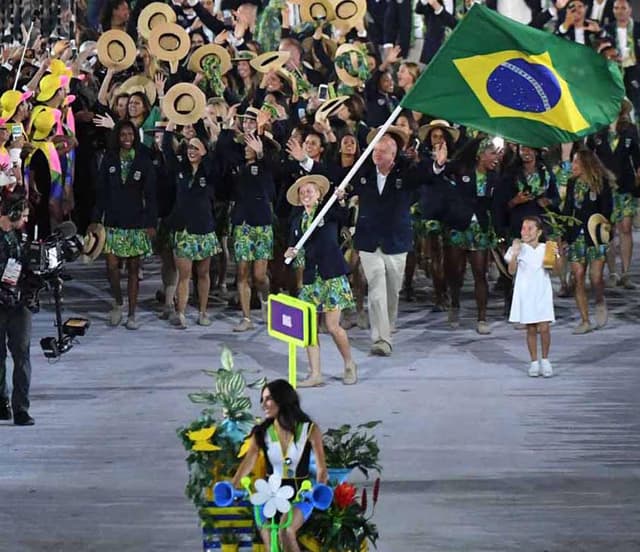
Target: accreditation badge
[{"x": 12, "y": 271}]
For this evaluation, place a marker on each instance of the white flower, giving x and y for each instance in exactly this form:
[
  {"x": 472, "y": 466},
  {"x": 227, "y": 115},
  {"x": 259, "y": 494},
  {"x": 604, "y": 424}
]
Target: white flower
[{"x": 274, "y": 497}]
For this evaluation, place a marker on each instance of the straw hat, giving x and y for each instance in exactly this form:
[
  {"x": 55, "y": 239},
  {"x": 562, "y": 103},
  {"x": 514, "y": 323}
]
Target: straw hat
[
  {"x": 93, "y": 242},
  {"x": 270, "y": 61},
  {"x": 197, "y": 58},
  {"x": 116, "y": 50},
  {"x": 49, "y": 85},
  {"x": 313, "y": 10},
  {"x": 355, "y": 58},
  {"x": 349, "y": 13},
  {"x": 424, "y": 130},
  {"x": 329, "y": 108},
  {"x": 9, "y": 102},
  {"x": 599, "y": 229},
  {"x": 44, "y": 121},
  {"x": 184, "y": 103},
  {"x": 397, "y": 133},
  {"x": 244, "y": 55},
  {"x": 169, "y": 42},
  {"x": 139, "y": 83},
  {"x": 154, "y": 14},
  {"x": 320, "y": 181}
]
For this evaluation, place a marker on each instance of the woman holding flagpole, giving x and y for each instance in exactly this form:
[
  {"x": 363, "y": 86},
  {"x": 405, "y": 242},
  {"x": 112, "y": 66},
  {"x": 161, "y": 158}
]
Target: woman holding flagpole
[{"x": 324, "y": 281}]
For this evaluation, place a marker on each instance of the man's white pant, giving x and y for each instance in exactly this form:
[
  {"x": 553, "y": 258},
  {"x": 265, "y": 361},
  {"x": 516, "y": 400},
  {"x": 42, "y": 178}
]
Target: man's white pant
[{"x": 384, "y": 275}]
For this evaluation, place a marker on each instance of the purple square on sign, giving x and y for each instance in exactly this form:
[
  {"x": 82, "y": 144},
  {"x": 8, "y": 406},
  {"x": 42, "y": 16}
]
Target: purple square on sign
[{"x": 287, "y": 320}]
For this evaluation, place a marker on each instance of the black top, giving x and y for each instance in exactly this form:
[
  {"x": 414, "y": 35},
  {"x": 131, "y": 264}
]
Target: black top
[{"x": 582, "y": 208}]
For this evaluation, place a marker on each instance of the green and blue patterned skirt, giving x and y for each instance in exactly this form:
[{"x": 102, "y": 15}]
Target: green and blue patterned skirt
[
  {"x": 580, "y": 253},
  {"x": 328, "y": 295},
  {"x": 473, "y": 238},
  {"x": 624, "y": 205},
  {"x": 252, "y": 243},
  {"x": 195, "y": 247},
  {"x": 423, "y": 228},
  {"x": 127, "y": 242}
]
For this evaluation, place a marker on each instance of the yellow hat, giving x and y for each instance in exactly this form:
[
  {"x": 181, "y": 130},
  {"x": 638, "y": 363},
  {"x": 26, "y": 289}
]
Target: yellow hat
[
  {"x": 44, "y": 121},
  {"x": 49, "y": 85},
  {"x": 93, "y": 242},
  {"x": 9, "y": 102},
  {"x": 154, "y": 14},
  {"x": 197, "y": 58},
  {"x": 116, "y": 50},
  {"x": 169, "y": 42},
  {"x": 321, "y": 182},
  {"x": 184, "y": 103},
  {"x": 58, "y": 67}
]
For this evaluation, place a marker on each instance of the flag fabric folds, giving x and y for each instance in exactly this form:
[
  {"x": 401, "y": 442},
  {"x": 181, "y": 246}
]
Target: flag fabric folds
[{"x": 511, "y": 80}]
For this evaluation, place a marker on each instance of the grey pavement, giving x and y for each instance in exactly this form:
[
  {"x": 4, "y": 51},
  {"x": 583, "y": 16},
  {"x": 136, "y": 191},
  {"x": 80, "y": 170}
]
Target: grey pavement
[{"x": 477, "y": 456}]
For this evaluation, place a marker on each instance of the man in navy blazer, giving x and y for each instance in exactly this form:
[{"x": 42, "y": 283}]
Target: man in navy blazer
[{"x": 383, "y": 236}]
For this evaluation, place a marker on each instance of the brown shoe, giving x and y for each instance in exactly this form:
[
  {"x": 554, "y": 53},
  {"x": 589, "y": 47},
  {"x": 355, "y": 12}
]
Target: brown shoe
[{"x": 350, "y": 373}]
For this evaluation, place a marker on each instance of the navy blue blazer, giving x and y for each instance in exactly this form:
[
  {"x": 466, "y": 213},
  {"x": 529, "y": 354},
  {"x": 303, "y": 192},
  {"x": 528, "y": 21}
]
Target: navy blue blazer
[
  {"x": 384, "y": 220},
  {"x": 193, "y": 210},
  {"x": 253, "y": 194},
  {"x": 129, "y": 204},
  {"x": 322, "y": 254},
  {"x": 436, "y": 26},
  {"x": 602, "y": 203}
]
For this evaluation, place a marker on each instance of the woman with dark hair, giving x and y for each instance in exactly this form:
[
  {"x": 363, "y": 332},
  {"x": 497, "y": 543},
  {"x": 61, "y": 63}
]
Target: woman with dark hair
[
  {"x": 351, "y": 113},
  {"x": 588, "y": 193},
  {"x": 192, "y": 222},
  {"x": 126, "y": 204},
  {"x": 379, "y": 91},
  {"x": 473, "y": 172},
  {"x": 286, "y": 438},
  {"x": 115, "y": 15}
]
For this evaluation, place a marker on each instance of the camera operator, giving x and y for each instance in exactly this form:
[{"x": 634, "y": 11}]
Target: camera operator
[{"x": 15, "y": 317}]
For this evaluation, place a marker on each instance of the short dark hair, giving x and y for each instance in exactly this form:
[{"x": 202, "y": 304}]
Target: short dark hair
[{"x": 114, "y": 139}]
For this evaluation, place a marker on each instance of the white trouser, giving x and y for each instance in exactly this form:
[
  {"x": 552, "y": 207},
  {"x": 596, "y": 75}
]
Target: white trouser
[{"x": 384, "y": 274}]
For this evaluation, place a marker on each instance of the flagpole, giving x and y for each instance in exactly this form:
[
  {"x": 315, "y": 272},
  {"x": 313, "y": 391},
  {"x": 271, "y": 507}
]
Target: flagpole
[
  {"x": 346, "y": 180},
  {"x": 24, "y": 51}
]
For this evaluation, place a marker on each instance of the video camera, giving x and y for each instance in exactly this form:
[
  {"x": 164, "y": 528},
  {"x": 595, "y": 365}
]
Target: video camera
[{"x": 46, "y": 259}]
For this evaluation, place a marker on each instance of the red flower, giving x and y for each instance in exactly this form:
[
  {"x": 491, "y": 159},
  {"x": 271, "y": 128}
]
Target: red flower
[
  {"x": 363, "y": 500},
  {"x": 376, "y": 491},
  {"x": 344, "y": 495}
]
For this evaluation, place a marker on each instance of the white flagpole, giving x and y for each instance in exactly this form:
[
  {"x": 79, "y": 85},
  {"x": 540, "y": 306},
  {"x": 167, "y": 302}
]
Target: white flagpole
[
  {"x": 346, "y": 179},
  {"x": 24, "y": 51}
]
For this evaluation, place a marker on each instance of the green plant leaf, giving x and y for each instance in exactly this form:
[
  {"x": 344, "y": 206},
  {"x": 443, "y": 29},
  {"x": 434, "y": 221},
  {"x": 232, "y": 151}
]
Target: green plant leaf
[{"x": 226, "y": 359}]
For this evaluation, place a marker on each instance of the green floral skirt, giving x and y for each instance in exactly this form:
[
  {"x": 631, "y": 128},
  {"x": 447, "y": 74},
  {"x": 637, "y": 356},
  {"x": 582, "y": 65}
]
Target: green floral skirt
[
  {"x": 423, "y": 228},
  {"x": 473, "y": 238},
  {"x": 580, "y": 253},
  {"x": 253, "y": 243},
  {"x": 328, "y": 295},
  {"x": 127, "y": 242},
  {"x": 624, "y": 205},
  {"x": 195, "y": 247}
]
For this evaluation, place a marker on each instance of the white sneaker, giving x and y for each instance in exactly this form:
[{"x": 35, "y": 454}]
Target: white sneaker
[
  {"x": 534, "y": 369},
  {"x": 547, "y": 370}
]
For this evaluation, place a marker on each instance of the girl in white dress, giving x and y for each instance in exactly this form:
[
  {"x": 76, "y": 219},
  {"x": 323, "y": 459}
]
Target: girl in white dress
[{"x": 532, "y": 295}]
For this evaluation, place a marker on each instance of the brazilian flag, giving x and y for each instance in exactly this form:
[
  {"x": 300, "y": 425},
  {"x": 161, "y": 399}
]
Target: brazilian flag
[{"x": 526, "y": 85}]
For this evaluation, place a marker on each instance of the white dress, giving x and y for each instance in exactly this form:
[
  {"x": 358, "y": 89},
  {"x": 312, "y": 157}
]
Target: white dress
[{"x": 532, "y": 293}]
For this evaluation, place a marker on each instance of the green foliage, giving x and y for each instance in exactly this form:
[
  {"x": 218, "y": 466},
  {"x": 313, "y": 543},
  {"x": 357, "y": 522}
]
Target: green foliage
[
  {"x": 229, "y": 410},
  {"x": 559, "y": 223},
  {"x": 228, "y": 536},
  {"x": 347, "y": 448}
]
